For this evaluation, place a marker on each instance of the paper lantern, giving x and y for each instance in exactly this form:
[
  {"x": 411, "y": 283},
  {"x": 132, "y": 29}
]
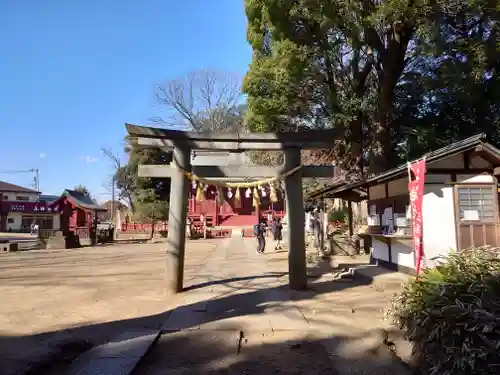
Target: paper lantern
[
  {"x": 248, "y": 192},
  {"x": 229, "y": 193},
  {"x": 193, "y": 184}
]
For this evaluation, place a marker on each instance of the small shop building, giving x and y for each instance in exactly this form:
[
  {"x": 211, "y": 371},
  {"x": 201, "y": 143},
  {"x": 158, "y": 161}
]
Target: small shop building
[
  {"x": 460, "y": 206},
  {"x": 21, "y": 207}
]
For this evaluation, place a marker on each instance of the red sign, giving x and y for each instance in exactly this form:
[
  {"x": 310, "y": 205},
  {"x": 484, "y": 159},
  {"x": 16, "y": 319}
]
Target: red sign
[{"x": 416, "y": 189}]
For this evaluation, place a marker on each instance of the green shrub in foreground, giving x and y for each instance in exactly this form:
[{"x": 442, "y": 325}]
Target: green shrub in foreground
[{"x": 451, "y": 313}]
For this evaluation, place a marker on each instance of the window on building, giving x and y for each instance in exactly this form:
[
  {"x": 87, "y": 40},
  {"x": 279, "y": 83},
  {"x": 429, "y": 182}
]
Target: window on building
[
  {"x": 22, "y": 198},
  {"x": 477, "y": 203},
  {"x": 10, "y": 220},
  {"x": 44, "y": 222}
]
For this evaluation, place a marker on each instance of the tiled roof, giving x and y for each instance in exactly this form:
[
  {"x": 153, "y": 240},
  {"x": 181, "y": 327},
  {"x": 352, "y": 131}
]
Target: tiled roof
[
  {"x": 5, "y": 186},
  {"x": 48, "y": 198},
  {"x": 83, "y": 200}
]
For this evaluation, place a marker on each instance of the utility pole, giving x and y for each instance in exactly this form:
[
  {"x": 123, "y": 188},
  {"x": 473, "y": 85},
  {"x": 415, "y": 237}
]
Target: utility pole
[
  {"x": 37, "y": 180},
  {"x": 113, "y": 198}
]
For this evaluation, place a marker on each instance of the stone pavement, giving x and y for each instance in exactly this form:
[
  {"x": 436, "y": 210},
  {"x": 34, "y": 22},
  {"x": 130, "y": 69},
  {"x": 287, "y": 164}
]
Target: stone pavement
[{"x": 239, "y": 316}]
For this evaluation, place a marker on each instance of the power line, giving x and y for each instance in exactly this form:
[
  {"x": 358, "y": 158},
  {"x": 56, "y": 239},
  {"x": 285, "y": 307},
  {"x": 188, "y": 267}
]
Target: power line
[
  {"x": 36, "y": 179},
  {"x": 13, "y": 171}
]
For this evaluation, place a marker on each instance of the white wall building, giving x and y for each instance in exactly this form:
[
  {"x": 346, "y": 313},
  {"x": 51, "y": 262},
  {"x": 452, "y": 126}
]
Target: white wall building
[{"x": 459, "y": 210}]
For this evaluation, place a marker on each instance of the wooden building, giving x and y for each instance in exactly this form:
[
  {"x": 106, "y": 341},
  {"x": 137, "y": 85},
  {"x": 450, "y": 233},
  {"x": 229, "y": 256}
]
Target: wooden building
[
  {"x": 460, "y": 205},
  {"x": 78, "y": 218}
]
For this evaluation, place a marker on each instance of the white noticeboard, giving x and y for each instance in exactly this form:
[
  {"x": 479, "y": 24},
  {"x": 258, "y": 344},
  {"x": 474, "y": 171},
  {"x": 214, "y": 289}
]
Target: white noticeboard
[
  {"x": 471, "y": 215},
  {"x": 373, "y": 210}
]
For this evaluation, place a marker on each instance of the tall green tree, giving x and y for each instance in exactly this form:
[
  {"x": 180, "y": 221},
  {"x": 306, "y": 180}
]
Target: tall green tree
[{"x": 378, "y": 71}]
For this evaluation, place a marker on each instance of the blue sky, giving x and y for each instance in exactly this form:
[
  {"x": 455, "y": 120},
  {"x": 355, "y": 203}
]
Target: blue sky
[{"x": 73, "y": 72}]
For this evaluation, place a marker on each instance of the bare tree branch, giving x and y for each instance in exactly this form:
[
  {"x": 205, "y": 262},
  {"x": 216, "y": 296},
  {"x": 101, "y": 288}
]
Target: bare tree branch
[
  {"x": 118, "y": 179},
  {"x": 200, "y": 101}
]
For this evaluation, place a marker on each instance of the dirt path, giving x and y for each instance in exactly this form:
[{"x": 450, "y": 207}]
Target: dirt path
[{"x": 72, "y": 296}]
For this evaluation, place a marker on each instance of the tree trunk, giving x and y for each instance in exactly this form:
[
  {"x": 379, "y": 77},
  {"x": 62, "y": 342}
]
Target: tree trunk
[
  {"x": 381, "y": 150},
  {"x": 152, "y": 228},
  {"x": 390, "y": 68}
]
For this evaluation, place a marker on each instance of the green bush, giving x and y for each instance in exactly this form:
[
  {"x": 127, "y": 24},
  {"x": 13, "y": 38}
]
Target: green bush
[
  {"x": 337, "y": 215},
  {"x": 451, "y": 314}
]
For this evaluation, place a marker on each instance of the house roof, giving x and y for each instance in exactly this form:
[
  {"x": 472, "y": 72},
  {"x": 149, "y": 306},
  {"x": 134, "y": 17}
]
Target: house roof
[
  {"x": 11, "y": 188},
  {"x": 341, "y": 188},
  {"x": 471, "y": 143},
  {"x": 81, "y": 200}
]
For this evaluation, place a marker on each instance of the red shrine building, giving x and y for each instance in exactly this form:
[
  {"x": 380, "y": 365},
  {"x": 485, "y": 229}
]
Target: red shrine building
[{"x": 228, "y": 211}]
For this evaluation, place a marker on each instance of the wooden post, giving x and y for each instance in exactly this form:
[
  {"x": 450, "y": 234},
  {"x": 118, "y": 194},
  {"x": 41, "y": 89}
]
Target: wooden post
[
  {"x": 297, "y": 269},
  {"x": 216, "y": 214},
  {"x": 350, "y": 220},
  {"x": 322, "y": 218},
  {"x": 176, "y": 243},
  {"x": 257, "y": 211}
]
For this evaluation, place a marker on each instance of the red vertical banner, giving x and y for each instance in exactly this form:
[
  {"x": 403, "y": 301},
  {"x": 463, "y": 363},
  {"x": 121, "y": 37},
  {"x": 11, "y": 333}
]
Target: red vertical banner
[{"x": 416, "y": 190}]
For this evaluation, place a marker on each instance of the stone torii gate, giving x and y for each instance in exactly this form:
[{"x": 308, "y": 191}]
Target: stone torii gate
[{"x": 183, "y": 142}]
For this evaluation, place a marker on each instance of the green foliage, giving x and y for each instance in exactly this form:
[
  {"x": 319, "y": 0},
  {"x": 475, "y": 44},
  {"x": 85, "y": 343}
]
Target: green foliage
[
  {"x": 338, "y": 215},
  {"x": 451, "y": 314},
  {"x": 82, "y": 189},
  {"x": 148, "y": 197},
  {"x": 151, "y": 206},
  {"x": 424, "y": 72}
]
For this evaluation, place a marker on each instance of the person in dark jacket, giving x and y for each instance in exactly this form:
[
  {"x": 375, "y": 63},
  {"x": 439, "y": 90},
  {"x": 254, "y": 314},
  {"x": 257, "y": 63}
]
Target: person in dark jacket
[
  {"x": 277, "y": 229},
  {"x": 259, "y": 232}
]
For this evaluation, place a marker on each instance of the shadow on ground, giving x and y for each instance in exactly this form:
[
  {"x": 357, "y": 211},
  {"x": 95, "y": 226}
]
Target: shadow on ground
[
  {"x": 50, "y": 345},
  {"x": 235, "y": 352}
]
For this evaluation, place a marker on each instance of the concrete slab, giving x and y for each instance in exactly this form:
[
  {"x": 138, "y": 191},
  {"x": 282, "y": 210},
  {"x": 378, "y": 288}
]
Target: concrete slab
[
  {"x": 183, "y": 318},
  {"x": 100, "y": 366},
  {"x": 117, "y": 357},
  {"x": 246, "y": 323},
  {"x": 128, "y": 344}
]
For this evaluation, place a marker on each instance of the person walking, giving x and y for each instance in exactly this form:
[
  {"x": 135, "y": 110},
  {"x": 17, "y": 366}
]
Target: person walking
[
  {"x": 316, "y": 228},
  {"x": 277, "y": 229},
  {"x": 259, "y": 231}
]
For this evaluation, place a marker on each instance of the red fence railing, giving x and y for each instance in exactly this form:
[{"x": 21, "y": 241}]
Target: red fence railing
[
  {"x": 82, "y": 232},
  {"x": 143, "y": 228}
]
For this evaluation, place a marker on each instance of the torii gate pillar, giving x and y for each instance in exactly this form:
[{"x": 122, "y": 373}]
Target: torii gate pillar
[
  {"x": 177, "y": 215},
  {"x": 297, "y": 268}
]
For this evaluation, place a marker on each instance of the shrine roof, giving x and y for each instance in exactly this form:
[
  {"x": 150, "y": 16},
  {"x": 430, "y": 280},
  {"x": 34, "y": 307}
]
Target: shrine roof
[{"x": 81, "y": 200}]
